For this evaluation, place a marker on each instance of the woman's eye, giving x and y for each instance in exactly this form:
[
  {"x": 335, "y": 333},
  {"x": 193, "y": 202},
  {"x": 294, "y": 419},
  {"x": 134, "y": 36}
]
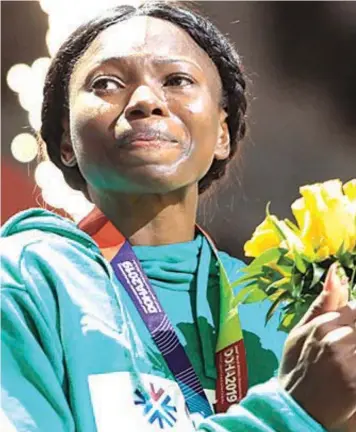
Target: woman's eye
[
  {"x": 106, "y": 85},
  {"x": 179, "y": 81}
]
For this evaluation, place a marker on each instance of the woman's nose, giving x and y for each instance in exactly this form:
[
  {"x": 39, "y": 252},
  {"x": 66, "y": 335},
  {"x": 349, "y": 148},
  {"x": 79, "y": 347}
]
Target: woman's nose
[{"x": 145, "y": 103}]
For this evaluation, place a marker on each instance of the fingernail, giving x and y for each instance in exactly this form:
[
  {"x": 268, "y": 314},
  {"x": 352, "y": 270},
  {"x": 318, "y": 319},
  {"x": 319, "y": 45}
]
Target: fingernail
[{"x": 330, "y": 278}]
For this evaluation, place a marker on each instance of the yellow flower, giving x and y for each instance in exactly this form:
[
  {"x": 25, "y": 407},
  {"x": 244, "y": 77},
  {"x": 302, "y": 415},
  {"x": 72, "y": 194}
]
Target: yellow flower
[
  {"x": 350, "y": 190},
  {"x": 273, "y": 233},
  {"x": 291, "y": 238},
  {"x": 303, "y": 216},
  {"x": 325, "y": 218},
  {"x": 322, "y": 253},
  {"x": 264, "y": 237}
]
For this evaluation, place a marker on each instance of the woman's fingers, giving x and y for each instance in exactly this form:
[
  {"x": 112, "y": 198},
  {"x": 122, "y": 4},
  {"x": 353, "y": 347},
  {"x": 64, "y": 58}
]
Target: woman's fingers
[
  {"x": 345, "y": 334},
  {"x": 347, "y": 314},
  {"x": 323, "y": 324},
  {"x": 341, "y": 341},
  {"x": 336, "y": 281}
]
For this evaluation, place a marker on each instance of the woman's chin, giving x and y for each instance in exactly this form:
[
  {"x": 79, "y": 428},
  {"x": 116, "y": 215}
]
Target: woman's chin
[{"x": 135, "y": 156}]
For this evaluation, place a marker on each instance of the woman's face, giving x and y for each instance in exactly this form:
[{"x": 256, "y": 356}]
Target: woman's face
[{"x": 145, "y": 112}]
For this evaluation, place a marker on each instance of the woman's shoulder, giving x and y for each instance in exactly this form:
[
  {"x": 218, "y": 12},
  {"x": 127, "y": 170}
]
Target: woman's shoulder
[
  {"x": 36, "y": 225},
  {"x": 38, "y": 231}
]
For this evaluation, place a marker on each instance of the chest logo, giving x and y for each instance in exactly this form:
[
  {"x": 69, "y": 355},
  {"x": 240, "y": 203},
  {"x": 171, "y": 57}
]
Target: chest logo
[{"x": 158, "y": 407}]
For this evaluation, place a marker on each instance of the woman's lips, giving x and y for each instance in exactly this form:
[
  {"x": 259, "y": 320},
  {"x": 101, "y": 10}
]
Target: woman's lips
[
  {"x": 143, "y": 143},
  {"x": 147, "y": 139}
]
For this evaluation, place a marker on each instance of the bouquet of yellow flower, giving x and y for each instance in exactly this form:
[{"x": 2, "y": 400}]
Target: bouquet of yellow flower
[{"x": 291, "y": 259}]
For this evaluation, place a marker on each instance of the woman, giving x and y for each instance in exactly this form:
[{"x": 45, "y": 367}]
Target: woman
[{"x": 114, "y": 324}]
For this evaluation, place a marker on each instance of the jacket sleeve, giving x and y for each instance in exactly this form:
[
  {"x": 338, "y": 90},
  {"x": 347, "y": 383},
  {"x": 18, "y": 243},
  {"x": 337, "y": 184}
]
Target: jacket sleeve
[
  {"x": 33, "y": 380},
  {"x": 266, "y": 408}
]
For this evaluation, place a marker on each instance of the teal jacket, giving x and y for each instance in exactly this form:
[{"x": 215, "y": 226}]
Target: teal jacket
[{"x": 77, "y": 357}]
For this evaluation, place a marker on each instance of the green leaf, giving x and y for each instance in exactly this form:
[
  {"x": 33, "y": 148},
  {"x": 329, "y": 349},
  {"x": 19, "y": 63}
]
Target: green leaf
[
  {"x": 281, "y": 282},
  {"x": 277, "y": 286},
  {"x": 249, "y": 294},
  {"x": 301, "y": 307},
  {"x": 247, "y": 278},
  {"x": 285, "y": 266},
  {"x": 277, "y": 293},
  {"x": 267, "y": 257},
  {"x": 275, "y": 304},
  {"x": 293, "y": 312},
  {"x": 347, "y": 260},
  {"x": 285, "y": 260},
  {"x": 289, "y": 307},
  {"x": 263, "y": 283},
  {"x": 341, "y": 251},
  {"x": 288, "y": 322},
  {"x": 297, "y": 278},
  {"x": 299, "y": 262},
  {"x": 318, "y": 273},
  {"x": 256, "y": 269},
  {"x": 255, "y": 296}
]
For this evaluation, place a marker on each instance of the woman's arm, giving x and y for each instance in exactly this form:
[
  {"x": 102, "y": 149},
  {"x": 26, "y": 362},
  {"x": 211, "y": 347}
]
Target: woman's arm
[{"x": 32, "y": 372}]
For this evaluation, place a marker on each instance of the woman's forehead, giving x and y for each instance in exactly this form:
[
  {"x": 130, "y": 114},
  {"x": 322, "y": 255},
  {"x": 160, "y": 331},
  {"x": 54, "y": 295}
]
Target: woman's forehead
[{"x": 144, "y": 36}]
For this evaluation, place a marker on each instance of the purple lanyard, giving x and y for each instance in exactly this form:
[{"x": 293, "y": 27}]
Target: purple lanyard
[{"x": 130, "y": 274}]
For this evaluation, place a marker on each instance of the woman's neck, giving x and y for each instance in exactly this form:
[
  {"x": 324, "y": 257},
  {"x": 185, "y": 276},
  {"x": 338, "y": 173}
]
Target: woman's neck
[{"x": 151, "y": 220}]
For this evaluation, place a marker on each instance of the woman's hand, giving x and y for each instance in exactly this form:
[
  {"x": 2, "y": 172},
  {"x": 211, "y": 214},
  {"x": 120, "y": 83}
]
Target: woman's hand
[{"x": 318, "y": 367}]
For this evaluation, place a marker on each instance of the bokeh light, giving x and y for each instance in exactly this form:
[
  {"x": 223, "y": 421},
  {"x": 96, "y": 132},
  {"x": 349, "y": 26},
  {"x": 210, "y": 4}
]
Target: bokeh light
[
  {"x": 24, "y": 147},
  {"x": 18, "y": 77},
  {"x": 34, "y": 118},
  {"x": 57, "y": 193},
  {"x": 47, "y": 175}
]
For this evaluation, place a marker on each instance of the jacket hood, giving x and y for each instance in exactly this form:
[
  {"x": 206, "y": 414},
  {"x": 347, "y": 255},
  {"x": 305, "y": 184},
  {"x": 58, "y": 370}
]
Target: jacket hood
[{"x": 46, "y": 221}]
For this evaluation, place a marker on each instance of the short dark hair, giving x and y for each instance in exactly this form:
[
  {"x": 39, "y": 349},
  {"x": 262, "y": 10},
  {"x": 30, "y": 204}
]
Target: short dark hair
[{"x": 55, "y": 103}]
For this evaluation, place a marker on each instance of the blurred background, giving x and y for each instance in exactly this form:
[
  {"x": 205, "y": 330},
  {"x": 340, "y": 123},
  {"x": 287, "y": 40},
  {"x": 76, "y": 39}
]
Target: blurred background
[{"x": 301, "y": 63}]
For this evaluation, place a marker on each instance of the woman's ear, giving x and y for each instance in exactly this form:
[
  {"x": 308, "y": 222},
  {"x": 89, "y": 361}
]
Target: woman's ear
[
  {"x": 222, "y": 149},
  {"x": 66, "y": 148}
]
